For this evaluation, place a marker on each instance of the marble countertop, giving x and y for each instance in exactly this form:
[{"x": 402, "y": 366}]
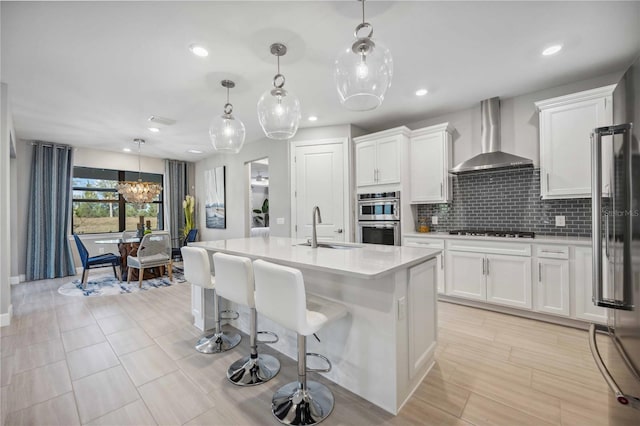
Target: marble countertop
[
  {"x": 539, "y": 239},
  {"x": 366, "y": 261}
]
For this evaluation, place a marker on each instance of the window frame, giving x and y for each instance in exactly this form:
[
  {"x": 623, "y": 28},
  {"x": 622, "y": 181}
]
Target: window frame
[{"x": 120, "y": 201}]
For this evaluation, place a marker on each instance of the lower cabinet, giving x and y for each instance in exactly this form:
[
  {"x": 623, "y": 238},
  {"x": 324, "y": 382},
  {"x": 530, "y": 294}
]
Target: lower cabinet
[
  {"x": 543, "y": 277},
  {"x": 552, "y": 286},
  {"x": 465, "y": 275},
  {"x": 509, "y": 280},
  {"x": 499, "y": 279}
]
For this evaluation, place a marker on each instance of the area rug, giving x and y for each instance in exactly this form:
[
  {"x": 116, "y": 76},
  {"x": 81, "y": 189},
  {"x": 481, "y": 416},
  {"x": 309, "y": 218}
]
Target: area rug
[{"x": 108, "y": 285}]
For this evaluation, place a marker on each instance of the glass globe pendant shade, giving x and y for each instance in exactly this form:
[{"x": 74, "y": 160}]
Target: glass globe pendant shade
[
  {"x": 279, "y": 113},
  {"x": 227, "y": 134},
  {"x": 363, "y": 73}
]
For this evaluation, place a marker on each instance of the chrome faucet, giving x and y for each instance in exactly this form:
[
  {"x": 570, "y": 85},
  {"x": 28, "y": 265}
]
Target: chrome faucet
[{"x": 314, "y": 235}]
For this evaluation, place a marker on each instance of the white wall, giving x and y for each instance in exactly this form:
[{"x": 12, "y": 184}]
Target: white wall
[
  {"x": 87, "y": 157},
  {"x": 519, "y": 121},
  {"x": 236, "y": 183},
  {"x": 236, "y": 188},
  {"x": 6, "y": 129}
]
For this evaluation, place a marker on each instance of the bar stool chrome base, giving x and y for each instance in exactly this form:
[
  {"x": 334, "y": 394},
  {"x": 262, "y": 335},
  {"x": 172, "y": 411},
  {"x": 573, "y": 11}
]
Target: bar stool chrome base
[
  {"x": 249, "y": 371},
  {"x": 292, "y": 405},
  {"x": 217, "y": 343}
]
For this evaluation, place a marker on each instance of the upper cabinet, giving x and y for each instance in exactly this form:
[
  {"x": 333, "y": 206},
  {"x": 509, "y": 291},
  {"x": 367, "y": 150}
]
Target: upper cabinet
[
  {"x": 566, "y": 123},
  {"x": 378, "y": 157},
  {"x": 430, "y": 161}
]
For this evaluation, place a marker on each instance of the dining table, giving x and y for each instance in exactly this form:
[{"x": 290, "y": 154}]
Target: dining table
[{"x": 129, "y": 247}]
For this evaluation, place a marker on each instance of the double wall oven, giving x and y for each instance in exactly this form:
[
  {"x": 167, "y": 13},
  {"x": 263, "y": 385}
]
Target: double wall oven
[{"x": 379, "y": 218}]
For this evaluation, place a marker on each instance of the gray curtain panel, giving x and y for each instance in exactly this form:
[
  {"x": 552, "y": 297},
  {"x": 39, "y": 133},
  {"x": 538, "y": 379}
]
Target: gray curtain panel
[
  {"x": 175, "y": 190},
  {"x": 48, "y": 251}
]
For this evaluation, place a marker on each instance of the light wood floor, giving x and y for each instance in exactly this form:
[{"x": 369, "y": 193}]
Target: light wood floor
[{"x": 129, "y": 359}]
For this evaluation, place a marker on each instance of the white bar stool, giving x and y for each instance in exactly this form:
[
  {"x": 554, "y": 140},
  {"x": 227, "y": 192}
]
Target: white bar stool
[
  {"x": 197, "y": 270},
  {"x": 234, "y": 281},
  {"x": 280, "y": 296}
]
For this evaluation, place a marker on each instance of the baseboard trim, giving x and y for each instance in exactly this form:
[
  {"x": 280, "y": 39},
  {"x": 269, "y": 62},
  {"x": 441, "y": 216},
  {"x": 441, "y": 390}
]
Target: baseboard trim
[
  {"x": 5, "y": 319},
  {"x": 17, "y": 279}
]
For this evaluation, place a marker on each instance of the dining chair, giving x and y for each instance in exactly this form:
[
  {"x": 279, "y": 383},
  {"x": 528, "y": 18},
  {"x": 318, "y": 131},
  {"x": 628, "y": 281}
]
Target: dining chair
[
  {"x": 93, "y": 262},
  {"x": 190, "y": 238},
  {"x": 154, "y": 251}
]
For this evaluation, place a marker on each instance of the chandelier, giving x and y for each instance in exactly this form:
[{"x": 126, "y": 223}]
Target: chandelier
[
  {"x": 139, "y": 192},
  {"x": 278, "y": 109},
  {"x": 363, "y": 71},
  {"x": 227, "y": 132}
]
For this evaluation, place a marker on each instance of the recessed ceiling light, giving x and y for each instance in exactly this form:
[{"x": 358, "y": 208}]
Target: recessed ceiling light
[
  {"x": 421, "y": 92},
  {"x": 198, "y": 50},
  {"x": 154, "y": 129},
  {"x": 313, "y": 118},
  {"x": 552, "y": 50},
  {"x": 194, "y": 151},
  {"x": 126, "y": 149}
]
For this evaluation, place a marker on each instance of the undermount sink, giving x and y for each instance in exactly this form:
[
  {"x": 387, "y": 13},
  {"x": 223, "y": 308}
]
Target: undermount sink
[{"x": 332, "y": 245}]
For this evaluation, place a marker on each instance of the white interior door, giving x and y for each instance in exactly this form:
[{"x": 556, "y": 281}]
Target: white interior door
[{"x": 319, "y": 181}]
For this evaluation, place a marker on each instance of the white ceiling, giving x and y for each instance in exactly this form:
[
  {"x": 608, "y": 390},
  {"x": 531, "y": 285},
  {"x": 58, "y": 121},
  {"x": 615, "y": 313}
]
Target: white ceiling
[{"x": 91, "y": 73}]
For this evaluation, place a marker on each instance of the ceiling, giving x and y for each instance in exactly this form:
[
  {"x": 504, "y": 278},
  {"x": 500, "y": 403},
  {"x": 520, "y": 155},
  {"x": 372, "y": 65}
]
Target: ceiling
[{"x": 91, "y": 73}]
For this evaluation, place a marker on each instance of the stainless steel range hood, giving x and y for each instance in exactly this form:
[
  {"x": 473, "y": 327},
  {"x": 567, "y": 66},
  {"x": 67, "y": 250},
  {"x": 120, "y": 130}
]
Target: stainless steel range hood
[{"x": 491, "y": 157}]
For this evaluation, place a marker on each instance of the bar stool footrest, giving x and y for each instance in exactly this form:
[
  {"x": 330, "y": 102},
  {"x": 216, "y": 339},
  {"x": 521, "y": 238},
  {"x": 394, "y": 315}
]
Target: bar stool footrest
[
  {"x": 322, "y": 357},
  {"x": 270, "y": 333},
  {"x": 235, "y": 315}
]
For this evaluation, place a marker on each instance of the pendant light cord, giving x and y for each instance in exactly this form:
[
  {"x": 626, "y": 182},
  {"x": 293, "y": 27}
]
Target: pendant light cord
[
  {"x": 362, "y": 11},
  {"x": 139, "y": 168}
]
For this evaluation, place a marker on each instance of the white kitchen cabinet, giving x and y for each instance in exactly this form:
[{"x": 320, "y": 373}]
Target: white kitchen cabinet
[
  {"x": 466, "y": 275},
  {"x": 378, "y": 157},
  {"x": 430, "y": 161},
  {"x": 566, "y": 123},
  {"x": 508, "y": 280},
  {"x": 430, "y": 243},
  {"x": 552, "y": 286},
  {"x": 582, "y": 281},
  {"x": 489, "y": 271}
]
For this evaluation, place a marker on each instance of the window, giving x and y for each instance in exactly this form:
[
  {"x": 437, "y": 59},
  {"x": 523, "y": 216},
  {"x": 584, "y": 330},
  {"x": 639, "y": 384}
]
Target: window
[{"x": 98, "y": 208}]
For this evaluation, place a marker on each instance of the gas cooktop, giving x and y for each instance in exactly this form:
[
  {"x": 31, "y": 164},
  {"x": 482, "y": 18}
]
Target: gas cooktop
[{"x": 489, "y": 233}]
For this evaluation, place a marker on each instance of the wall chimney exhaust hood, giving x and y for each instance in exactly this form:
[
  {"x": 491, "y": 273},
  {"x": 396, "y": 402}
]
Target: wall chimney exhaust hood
[{"x": 491, "y": 156}]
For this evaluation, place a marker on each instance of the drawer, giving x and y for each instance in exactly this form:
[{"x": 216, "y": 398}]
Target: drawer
[
  {"x": 494, "y": 247},
  {"x": 553, "y": 252},
  {"x": 431, "y": 243}
]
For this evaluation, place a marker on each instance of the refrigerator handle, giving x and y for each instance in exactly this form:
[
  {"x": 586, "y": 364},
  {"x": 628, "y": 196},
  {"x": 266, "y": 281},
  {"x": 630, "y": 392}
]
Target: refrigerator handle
[
  {"x": 596, "y": 215},
  {"x": 593, "y": 346}
]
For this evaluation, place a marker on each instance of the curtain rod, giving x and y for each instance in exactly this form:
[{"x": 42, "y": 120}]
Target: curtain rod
[{"x": 52, "y": 145}]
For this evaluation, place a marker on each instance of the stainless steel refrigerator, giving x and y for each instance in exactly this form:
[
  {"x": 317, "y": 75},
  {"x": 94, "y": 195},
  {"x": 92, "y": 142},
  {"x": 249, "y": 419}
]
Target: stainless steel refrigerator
[{"x": 616, "y": 236}]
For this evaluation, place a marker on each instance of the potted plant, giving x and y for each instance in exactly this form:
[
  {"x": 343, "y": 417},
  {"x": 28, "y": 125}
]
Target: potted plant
[
  {"x": 188, "y": 205},
  {"x": 262, "y": 215}
]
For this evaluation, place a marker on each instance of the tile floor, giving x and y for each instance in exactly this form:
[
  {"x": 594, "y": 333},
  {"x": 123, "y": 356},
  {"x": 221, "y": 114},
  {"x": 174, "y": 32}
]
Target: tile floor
[{"x": 129, "y": 360}]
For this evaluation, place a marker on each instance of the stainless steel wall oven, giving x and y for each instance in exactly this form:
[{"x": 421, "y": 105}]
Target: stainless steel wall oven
[{"x": 379, "y": 218}]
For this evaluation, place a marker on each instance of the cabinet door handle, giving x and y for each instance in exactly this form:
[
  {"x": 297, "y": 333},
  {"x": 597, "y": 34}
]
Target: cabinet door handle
[
  {"x": 442, "y": 262},
  {"x": 441, "y": 189},
  {"x": 483, "y": 273},
  {"x": 547, "y": 182},
  {"x": 552, "y": 252},
  {"x": 539, "y": 272},
  {"x": 487, "y": 266}
]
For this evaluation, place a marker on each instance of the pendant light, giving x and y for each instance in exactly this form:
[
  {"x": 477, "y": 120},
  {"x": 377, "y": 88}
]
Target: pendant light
[
  {"x": 139, "y": 192},
  {"x": 279, "y": 110},
  {"x": 227, "y": 132},
  {"x": 363, "y": 71}
]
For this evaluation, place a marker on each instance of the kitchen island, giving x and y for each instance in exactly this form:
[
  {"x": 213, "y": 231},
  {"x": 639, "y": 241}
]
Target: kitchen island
[{"x": 385, "y": 346}]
